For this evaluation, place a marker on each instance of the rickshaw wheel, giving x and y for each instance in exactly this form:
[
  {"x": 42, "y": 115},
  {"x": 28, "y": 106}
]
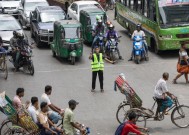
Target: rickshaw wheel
[{"x": 73, "y": 60}]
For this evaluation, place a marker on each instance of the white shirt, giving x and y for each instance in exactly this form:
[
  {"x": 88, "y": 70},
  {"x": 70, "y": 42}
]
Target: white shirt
[
  {"x": 33, "y": 112},
  {"x": 138, "y": 33},
  {"x": 45, "y": 98},
  {"x": 160, "y": 88}
]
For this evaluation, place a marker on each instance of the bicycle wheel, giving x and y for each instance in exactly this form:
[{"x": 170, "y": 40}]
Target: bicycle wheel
[
  {"x": 121, "y": 112},
  {"x": 180, "y": 116},
  {"x": 8, "y": 128}
]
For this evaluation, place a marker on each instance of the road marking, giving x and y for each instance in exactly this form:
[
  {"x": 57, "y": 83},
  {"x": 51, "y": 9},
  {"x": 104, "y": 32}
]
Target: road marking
[{"x": 88, "y": 68}]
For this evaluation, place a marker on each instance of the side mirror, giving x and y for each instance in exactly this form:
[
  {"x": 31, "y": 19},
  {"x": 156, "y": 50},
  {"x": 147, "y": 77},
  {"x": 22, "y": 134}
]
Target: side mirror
[
  {"x": 34, "y": 20},
  {"x": 74, "y": 12}
]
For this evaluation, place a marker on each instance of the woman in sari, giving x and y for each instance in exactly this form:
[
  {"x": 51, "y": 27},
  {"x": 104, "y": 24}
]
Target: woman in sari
[{"x": 183, "y": 64}]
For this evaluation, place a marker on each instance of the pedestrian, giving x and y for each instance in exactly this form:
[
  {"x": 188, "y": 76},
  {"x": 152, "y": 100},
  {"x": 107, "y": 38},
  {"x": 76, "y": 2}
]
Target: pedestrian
[
  {"x": 47, "y": 126},
  {"x": 66, "y": 6},
  {"x": 17, "y": 102},
  {"x": 70, "y": 125},
  {"x": 97, "y": 66},
  {"x": 33, "y": 109},
  {"x": 57, "y": 112},
  {"x": 130, "y": 126},
  {"x": 183, "y": 64}
]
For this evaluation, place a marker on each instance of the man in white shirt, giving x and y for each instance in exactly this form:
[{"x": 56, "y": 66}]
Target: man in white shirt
[
  {"x": 57, "y": 113},
  {"x": 34, "y": 109},
  {"x": 161, "y": 93},
  {"x": 139, "y": 32}
]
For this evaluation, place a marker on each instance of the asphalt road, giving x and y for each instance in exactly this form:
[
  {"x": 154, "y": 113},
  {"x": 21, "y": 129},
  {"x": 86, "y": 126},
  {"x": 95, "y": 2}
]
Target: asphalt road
[{"x": 98, "y": 110}]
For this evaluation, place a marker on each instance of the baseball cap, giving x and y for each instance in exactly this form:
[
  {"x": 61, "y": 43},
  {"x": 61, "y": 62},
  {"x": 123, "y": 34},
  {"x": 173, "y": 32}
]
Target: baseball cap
[{"x": 73, "y": 102}]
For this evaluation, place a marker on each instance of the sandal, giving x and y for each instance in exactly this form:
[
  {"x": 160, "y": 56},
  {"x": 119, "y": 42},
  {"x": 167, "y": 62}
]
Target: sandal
[{"x": 174, "y": 81}]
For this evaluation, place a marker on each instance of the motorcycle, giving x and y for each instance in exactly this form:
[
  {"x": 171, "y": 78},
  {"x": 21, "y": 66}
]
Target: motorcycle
[
  {"x": 25, "y": 60},
  {"x": 111, "y": 48},
  {"x": 100, "y": 42},
  {"x": 87, "y": 130},
  {"x": 139, "y": 49}
]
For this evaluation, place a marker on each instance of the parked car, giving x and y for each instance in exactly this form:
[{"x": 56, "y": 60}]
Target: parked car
[
  {"x": 8, "y": 24},
  {"x": 29, "y": 6},
  {"x": 10, "y": 7},
  {"x": 87, "y": 19},
  {"x": 42, "y": 20},
  {"x": 75, "y": 8}
]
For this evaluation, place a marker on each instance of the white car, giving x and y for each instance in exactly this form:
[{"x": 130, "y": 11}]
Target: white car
[
  {"x": 75, "y": 8},
  {"x": 10, "y": 6},
  {"x": 29, "y": 6},
  {"x": 8, "y": 24}
]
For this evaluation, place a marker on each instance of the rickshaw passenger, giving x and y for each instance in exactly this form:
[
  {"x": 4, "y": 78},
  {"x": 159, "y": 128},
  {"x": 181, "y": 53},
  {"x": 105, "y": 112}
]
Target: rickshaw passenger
[
  {"x": 17, "y": 103},
  {"x": 162, "y": 93},
  {"x": 47, "y": 126},
  {"x": 33, "y": 109}
]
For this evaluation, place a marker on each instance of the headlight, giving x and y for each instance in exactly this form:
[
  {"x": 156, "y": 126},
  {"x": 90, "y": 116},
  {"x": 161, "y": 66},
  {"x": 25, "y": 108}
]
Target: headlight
[
  {"x": 43, "y": 31},
  {"x": 165, "y": 36}
]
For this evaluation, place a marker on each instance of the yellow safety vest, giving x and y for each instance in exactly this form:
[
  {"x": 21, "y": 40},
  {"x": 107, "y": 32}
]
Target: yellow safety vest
[{"x": 97, "y": 65}]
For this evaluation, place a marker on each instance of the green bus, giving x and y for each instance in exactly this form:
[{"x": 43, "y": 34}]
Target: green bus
[{"x": 165, "y": 22}]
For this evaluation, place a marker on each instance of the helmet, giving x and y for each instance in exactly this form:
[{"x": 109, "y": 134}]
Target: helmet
[
  {"x": 111, "y": 27},
  {"x": 98, "y": 17},
  {"x": 20, "y": 36},
  {"x": 108, "y": 23},
  {"x": 14, "y": 33},
  {"x": 138, "y": 26}
]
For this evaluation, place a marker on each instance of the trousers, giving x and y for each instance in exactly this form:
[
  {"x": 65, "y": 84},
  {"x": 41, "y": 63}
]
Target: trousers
[{"x": 100, "y": 76}]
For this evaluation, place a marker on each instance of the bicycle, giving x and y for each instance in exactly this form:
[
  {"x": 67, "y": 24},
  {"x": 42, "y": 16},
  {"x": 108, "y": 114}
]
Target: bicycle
[
  {"x": 134, "y": 104},
  {"x": 3, "y": 64}
]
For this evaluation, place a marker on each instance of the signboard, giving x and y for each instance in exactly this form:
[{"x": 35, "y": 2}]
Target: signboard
[{"x": 164, "y": 3}]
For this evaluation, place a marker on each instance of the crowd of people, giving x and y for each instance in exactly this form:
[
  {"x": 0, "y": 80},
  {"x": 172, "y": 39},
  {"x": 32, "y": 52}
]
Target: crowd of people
[{"x": 47, "y": 115}]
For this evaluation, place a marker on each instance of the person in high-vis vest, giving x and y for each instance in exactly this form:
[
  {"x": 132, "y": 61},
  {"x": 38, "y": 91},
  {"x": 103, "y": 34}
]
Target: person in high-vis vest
[{"x": 97, "y": 66}]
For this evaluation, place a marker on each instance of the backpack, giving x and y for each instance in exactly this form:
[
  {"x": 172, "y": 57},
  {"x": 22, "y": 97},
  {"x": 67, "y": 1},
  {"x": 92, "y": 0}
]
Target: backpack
[{"x": 120, "y": 128}]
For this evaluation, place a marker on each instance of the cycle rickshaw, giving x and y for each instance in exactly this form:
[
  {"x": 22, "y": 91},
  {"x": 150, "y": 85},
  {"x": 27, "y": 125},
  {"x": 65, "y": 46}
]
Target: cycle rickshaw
[
  {"x": 133, "y": 103},
  {"x": 3, "y": 64},
  {"x": 16, "y": 124}
]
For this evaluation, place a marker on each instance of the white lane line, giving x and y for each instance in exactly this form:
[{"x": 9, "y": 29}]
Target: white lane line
[{"x": 88, "y": 68}]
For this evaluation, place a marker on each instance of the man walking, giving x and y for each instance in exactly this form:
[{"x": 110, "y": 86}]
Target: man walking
[{"x": 97, "y": 66}]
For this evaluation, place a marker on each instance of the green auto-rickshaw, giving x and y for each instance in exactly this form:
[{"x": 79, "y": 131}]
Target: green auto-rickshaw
[
  {"x": 68, "y": 42},
  {"x": 87, "y": 19}
]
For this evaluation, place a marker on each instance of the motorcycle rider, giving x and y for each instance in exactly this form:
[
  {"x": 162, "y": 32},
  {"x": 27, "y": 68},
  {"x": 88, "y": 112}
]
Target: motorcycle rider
[
  {"x": 139, "y": 32},
  {"x": 96, "y": 32},
  {"x": 20, "y": 43},
  {"x": 13, "y": 40},
  {"x": 111, "y": 33},
  {"x": 96, "y": 23}
]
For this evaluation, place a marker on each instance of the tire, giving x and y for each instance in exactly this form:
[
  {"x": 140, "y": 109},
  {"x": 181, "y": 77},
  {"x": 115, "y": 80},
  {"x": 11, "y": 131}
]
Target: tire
[
  {"x": 38, "y": 42},
  {"x": 31, "y": 68},
  {"x": 137, "y": 59},
  {"x": 153, "y": 46},
  {"x": 180, "y": 111},
  {"x": 53, "y": 53},
  {"x": 73, "y": 60},
  {"x": 7, "y": 128},
  {"x": 5, "y": 70},
  {"x": 112, "y": 56},
  {"x": 31, "y": 32},
  {"x": 120, "y": 116}
]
